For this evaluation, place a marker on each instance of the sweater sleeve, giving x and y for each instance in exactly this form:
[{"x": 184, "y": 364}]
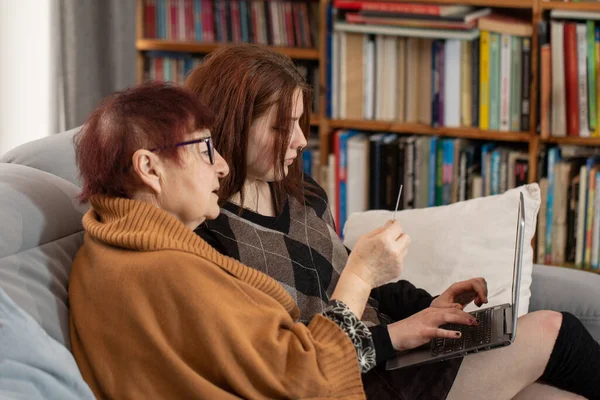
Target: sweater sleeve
[
  {"x": 401, "y": 299},
  {"x": 191, "y": 330}
]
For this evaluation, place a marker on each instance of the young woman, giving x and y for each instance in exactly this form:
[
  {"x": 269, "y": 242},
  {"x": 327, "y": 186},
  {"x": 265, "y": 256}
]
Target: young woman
[
  {"x": 158, "y": 313},
  {"x": 277, "y": 221}
]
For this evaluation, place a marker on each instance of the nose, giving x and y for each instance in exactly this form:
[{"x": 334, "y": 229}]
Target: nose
[
  {"x": 221, "y": 165},
  {"x": 298, "y": 139}
]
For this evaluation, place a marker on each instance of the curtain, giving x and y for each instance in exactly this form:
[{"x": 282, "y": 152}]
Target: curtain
[{"x": 96, "y": 55}]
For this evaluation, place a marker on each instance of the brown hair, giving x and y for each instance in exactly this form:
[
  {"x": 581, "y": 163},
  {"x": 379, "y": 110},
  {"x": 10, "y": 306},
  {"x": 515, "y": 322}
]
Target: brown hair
[
  {"x": 147, "y": 116},
  {"x": 241, "y": 83}
]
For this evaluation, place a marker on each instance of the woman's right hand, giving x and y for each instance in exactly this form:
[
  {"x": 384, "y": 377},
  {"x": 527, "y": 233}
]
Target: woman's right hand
[
  {"x": 378, "y": 256},
  {"x": 424, "y": 326}
]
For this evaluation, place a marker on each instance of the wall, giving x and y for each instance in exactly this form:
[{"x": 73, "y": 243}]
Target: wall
[{"x": 27, "y": 90}]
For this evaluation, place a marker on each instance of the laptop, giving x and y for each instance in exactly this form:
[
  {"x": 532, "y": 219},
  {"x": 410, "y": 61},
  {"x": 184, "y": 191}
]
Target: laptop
[{"x": 497, "y": 328}]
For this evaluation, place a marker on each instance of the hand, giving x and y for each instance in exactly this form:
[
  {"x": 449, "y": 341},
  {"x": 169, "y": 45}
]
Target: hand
[
  {"x": 462, "y": 293},
  {"x": 378, "y": 256},
  {"x": 423, "y": 326}
]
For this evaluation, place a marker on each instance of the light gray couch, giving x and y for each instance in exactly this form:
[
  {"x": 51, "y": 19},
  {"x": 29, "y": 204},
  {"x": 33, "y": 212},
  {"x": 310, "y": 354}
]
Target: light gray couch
[{"x": 40, "y": 232}]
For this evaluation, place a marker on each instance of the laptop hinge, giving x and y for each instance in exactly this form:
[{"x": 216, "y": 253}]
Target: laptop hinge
[{"x": 508, "y": 321}]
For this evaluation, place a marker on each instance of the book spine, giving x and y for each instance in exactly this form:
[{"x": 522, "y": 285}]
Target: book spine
[
  {"x": 505, "y": 82},
  {"x": 595, "y": 258},
  {"x": 582, "y": 80},
  {"x": 484, "y": 81},
  {"x": 465, "y": 83},
  {"x": 571, "y": 80},
  {"x": 553, "y": 157},
  {"x": 475, "y": 78},
  {"x": 596, "y": 132},
  {"x": 515, "y": 88},
  {"x": 494, "y": 81},
  {"x": 441, "y": 59},
  {"x": 591, "y": 74},
  {"x": 432, "y": 170},
  {"x": 439, "y": 173},
  {"x": 404, "y": 8},
  {"x": 590, "y": 216},
  {"x": 526, "y": 84}
]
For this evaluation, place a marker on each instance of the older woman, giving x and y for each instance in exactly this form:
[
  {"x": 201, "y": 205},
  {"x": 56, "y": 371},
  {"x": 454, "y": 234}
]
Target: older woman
[
  {"x": 278, "y": 221},
  {"x": 158, "y": 313}
]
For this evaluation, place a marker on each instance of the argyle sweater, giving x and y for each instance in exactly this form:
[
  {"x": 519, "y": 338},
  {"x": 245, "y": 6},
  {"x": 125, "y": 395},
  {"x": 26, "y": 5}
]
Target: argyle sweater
[{"x": 300, "y": 249}]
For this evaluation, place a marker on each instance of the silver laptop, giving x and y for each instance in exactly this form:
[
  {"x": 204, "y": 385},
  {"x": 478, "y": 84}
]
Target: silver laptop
[{"x": 497, "y": 328}]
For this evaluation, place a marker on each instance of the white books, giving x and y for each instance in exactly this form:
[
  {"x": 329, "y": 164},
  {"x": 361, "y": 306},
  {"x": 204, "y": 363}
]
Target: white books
[
  {"x": 476, "y": 186},
  {"x": 380, "y": 80},
  {"x": 411, "y": 101},
  {"x": 391, "y": 48},
  {"x": 596, "y": 226},
  {"x": 357, "y": 179},
  {"x": 559, "y": 111},
  {"x": 452, "y": 98},
  {"x": 335, "y": 82},
  {"x": 573, "y": 14},
  {"x": 408, "y": 32},
  {"x": 582, "y": 82},
  {"x": 369, "y": 89},
  {"x": 505, "y": 65}
]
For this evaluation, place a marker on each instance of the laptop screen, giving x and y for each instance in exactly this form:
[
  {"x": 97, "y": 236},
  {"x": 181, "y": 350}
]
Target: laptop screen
[{"x": 516, "y": 284}]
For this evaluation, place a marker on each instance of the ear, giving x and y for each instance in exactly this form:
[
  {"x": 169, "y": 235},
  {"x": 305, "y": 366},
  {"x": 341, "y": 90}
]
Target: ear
[{"x": 148, "y": 167}]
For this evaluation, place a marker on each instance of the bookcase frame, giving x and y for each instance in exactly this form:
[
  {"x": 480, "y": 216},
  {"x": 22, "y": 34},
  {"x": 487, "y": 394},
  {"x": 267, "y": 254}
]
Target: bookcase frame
[{"x": 326, "y": 126}]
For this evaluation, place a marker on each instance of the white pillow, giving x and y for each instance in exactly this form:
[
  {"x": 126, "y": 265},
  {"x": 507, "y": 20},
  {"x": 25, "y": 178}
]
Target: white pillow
[{"x": 462, "y": 241}]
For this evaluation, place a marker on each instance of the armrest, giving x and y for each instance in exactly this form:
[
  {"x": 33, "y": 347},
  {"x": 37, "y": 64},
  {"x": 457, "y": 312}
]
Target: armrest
[{"x": 566, "y": 289}]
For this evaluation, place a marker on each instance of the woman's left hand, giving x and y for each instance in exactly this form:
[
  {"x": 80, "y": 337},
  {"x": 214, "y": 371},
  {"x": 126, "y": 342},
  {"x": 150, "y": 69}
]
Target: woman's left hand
[{"x": 462, "y": 293}]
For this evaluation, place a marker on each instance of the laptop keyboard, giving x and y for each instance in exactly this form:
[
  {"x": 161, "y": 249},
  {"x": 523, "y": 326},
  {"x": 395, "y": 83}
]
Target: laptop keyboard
[{"x": 472, "y": 335}]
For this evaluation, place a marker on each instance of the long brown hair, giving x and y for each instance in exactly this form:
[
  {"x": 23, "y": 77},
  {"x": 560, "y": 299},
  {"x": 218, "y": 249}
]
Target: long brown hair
[{"x": 240, "y": 83}]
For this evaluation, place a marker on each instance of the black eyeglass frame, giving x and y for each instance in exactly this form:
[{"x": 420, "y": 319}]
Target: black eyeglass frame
[{"x": 207, "y": 140}]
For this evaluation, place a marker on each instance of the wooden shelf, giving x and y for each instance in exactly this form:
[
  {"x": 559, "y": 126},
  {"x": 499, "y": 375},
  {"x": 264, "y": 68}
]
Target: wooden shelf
[
  {"x": 579, "y": 6},
  {"x": 314, "y": 120},
  {"x": 575, "y": 140},
  {"x": 200, "y": 47},
  {"x": 395, "y": 127}
]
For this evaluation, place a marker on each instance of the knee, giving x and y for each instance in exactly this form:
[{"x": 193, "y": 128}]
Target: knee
[{"x": 549, "y": 322}]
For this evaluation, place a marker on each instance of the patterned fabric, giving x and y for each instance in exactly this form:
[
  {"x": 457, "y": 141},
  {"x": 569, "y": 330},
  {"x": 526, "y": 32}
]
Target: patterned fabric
[
  {"x": 356, "y": 330},
  {"x": 299, "y": 248}
]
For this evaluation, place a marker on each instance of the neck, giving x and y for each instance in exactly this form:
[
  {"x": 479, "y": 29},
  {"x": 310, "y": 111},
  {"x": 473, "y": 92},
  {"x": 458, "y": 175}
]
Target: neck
[{"x": 257, "y": 197}]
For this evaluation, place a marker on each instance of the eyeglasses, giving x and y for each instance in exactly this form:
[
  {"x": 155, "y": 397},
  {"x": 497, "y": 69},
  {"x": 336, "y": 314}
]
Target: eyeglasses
[{"x": 209, "y": 145}]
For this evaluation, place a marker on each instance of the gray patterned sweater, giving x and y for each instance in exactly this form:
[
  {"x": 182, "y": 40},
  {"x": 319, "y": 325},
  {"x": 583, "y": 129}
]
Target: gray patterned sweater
[{"x": 301, "y": 250}]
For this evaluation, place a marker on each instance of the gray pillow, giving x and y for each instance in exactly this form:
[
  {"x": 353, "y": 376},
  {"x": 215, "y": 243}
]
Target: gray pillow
[
  {"x": 40, "y": 234},
  {"x": 54, "y": 154},
  {"x": 32, "y": 364}
]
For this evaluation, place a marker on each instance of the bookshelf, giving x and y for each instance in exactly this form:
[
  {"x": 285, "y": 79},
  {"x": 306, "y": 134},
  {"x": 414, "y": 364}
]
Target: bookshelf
[
  {"x": 528, "y": 139},
  {"x": 203, "y": 48},
  {"x": 579, "y": 6},
  {"x": 315, "y": 54}
]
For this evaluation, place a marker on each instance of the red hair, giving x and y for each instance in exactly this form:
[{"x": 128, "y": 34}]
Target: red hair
[
  {"x": 241, "y": 83},
  {"x": 146, "y": 116}
]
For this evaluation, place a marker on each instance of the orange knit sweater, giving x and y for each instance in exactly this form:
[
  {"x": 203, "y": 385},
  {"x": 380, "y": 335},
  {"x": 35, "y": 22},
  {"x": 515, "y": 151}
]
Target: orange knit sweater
[{"x": 158, "y": 313}]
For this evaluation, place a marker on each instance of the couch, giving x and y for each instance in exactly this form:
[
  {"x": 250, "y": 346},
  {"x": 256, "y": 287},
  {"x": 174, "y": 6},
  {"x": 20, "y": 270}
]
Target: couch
[{"x": 40, "y": 234}]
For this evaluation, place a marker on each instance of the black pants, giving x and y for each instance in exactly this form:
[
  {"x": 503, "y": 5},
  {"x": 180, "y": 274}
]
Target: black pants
[{"x": 429, "y": 381}]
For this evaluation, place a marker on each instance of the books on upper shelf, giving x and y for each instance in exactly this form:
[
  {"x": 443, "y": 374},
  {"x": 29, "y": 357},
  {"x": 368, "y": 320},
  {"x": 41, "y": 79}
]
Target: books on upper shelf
[
  {"x": 569, "y": 217},
  {"x": 570, "y": 68},
  {"x": 175, "y": 66},
  {"x": 365, "y": 171},
  {"x": 270, "y": 22},
  {"x": 459, "y": 77}
]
